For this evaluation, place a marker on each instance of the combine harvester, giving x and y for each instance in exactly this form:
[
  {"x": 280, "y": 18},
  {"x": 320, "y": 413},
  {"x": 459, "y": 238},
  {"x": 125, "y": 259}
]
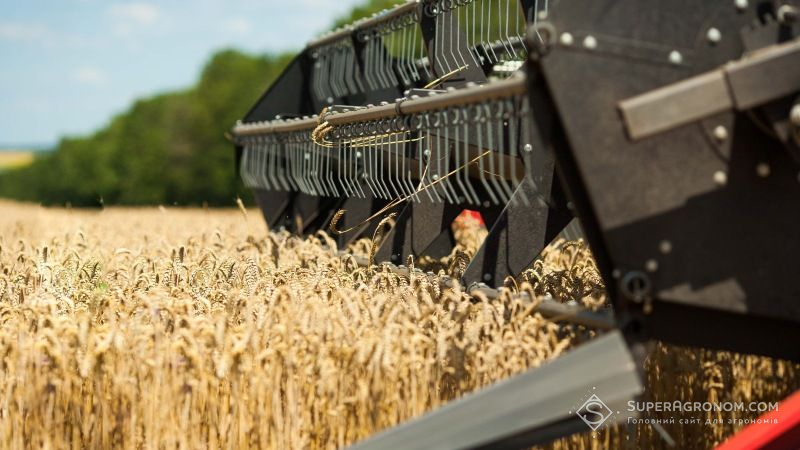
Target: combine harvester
[{"x": 670, "y": 129}]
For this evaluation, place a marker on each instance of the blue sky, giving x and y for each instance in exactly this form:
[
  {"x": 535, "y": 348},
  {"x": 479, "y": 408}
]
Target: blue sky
[{"x": 69, "y": 65}]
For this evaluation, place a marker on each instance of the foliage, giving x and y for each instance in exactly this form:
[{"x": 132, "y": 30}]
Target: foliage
[{"x": 169, "y": 148}]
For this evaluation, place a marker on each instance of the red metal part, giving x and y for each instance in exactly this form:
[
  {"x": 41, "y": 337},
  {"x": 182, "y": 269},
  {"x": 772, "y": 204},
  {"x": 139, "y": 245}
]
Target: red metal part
[{"x": 780, "y": 430}]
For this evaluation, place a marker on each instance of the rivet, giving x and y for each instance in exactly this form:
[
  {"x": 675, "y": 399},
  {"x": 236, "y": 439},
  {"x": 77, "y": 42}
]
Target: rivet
[
  {"x": 713, "y": 35},
  {"x": 794, "y": 115},
  {"x": 567, "y": 39},
  {"x": 487, "y": 277},
  {"x": 486, "y": 203},
  {"x": 721, "y": 133},
  {"x": 665, "y": 246},
  {"x": 427, "y": 152},
  {"x": 762, "y": 169},
  {"x": 435, "y": 176},
  {"x": 590, "y": 42},
  {"x": 720, "y": 177},
  {"x": 675, "y": 57},
  {"x": 528, "y": 148},
  {"x": 542, "y": 14},
  {"x": 307, "y": 156},
  {"x": 740, "y": 4},
  {"x": 358, "y": 154},
  {"x": 616, "y": 273},
  {"x": 651, "y": 265}
]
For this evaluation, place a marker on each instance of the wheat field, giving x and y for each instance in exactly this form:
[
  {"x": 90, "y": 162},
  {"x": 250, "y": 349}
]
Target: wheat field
[{"x": 187, "y": 328}]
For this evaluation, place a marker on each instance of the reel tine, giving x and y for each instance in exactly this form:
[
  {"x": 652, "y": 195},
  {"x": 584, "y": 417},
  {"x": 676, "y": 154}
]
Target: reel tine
[
  {"x": 490, "y": 140},
  {"x": 465, "y": 172},
  {"x": 457, "y": 155},
  {"x": 262, "y": 165},
  {"x": 479, "y": 119},
  {"x": 448, "y": 150}
]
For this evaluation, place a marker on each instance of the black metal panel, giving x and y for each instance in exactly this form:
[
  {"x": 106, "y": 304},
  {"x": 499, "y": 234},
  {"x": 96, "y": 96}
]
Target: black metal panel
[
  {"x": 528, "y": 223},
  {"x": 288, "y": 96},
  {"x": 275, "y": 206},
  {"x": 696, "y": 222}
]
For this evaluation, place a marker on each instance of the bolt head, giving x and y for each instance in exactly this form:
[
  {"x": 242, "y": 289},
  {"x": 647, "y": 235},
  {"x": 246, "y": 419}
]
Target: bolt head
[
  {"x": 590, "y": 42},
  {"x": 487, "y": 277},
  {"x": 675, "y": 57},
  {"x": 651, "y": 265},
  {"x": 528, "y": 148},
  {"x": 720, "y": 177},
  {"x": 740, "y": 4},
  {"x": 762, "y": 169},
  {"x": 720, "y": 133},
  {"x": 713, "y": 35},
  {"x": 794, "y": 115},
  {"x": 566, "y": 39},
  {"x": 665, "y": 246}
]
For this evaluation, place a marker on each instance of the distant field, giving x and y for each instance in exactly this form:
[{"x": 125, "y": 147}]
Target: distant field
[{"x": 11, "y": 159}]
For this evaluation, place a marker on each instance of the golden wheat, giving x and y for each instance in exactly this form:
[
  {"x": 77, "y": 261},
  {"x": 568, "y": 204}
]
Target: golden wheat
[{"x": 169, "y": 328}]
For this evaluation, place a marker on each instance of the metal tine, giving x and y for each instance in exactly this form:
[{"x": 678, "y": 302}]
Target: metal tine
[
  {"x": 390, "y": 62},
  {"x": 509, "y": 50},
  {"x": 451, "y": 144},
  {"x": 451, "y": 30},
  {"x": 328, "y": 169},
  {"x": 411, "y": 32},
  {"x": 487, "y": 49},
  {"x": 287, "y": 162},
  {"x": 408, "y": 145},
  {"x": 502, "y": 146},
  {"x": 424, "y": 154},
  {"x": 399, "y": 164},
  {"x": 450, "y": 192},
  {"x": 392, "y": 165},
  {"x": 490, "y": 141},
  {"x": 368, "y": 173},
  {"x": 354, "y": 171},
  {"x": 376, "y": 174},
  {"x": 470, "y": 33},
  {"x": 384, "y": 165},
  {"x": 245, "y": 167},
  {"x": 442, "y": 156},
  {"x": 340, "y": 163},
  {"x": 479, "y": 119},
  {"x": 312, "y": 168},
  {"x": 399, "y": 40},
  {"x": 401, "y": 148},
  {"x": 262, "y": 168},
  {"x": 298, "y": 163},
  {"x": 271, "y": 162},
  {"x": 465, "y": 172},
  {"x": 338, "y": 79},
  {"x": 304, "y": 160},
  {"x": 420, "y": 50},
  {"x": 317, "y": 174},
  {"x": 280, "y": 165},
  {"x": 458, "y": 153},
  {"x": 440, "y": 25},
  {"x": 379, "y": 59},
  {"x": 456, "y": 30},
  {"x": 379, "y": 166},
  {"x": 374, "y": 61},
  {"x": 368, "y": 76},
  {"x": 288, "y": 157},
  {"x": 253, "y": 163}
]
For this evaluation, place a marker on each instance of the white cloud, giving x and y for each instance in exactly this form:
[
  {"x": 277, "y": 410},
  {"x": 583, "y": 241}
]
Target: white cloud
[
  {"x": 23, "y": 32},
  {"x": 136, "y": 13},
  {"x": 90, "y": 75},
  {"x": 238, "y": 25}
]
